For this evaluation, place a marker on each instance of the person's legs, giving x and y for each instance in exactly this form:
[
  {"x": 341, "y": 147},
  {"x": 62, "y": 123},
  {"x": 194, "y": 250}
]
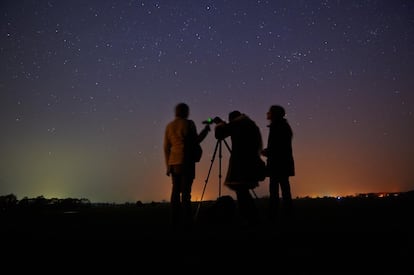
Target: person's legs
[
  {"x": 274, "y": 199},
  {"x": 177, "y": 178},
  {"x": 186, "y": 200},
  {"x": 246, "y": 204},
  {"x": 176, "y": 200},
  {"x": 286, "y": 194}
]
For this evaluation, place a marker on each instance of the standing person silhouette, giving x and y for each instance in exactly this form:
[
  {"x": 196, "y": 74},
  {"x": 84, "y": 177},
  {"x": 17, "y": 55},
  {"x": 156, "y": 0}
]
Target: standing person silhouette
[
  {"x": 246, "y": 145},
  {"x": 179, "y": 138},
  {"x": 280, "y": 162}
]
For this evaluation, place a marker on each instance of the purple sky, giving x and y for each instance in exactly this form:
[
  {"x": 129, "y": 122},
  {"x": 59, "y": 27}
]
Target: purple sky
[{"x": 87, "y": 88}]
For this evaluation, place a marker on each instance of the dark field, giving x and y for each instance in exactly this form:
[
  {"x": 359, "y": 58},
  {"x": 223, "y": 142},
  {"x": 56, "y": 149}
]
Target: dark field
[{"x": 344, "y": 236}]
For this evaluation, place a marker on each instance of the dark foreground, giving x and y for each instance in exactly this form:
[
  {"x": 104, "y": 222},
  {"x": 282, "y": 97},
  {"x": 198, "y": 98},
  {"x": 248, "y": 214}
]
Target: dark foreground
[{"x": 348, "y": 236}]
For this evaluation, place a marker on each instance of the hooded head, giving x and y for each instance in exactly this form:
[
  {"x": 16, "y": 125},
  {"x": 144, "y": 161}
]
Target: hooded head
[
  {"x": 233, "y": 115},
  {"x": 277, "y": 111}
]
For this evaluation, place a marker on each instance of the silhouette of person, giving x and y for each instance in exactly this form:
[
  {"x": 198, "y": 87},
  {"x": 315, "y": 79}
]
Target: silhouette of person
[
  {"x": 280, "y": 163},
  {"x": 246, "y": 146},
  {"x": 180, "y": 135}
]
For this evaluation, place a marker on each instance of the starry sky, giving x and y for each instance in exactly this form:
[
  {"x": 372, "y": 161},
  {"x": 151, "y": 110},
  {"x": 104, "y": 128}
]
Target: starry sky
[{"x": 88, "y": 86}]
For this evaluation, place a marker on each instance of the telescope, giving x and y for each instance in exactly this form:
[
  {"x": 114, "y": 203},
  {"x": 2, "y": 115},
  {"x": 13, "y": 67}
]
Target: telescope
[{"x": 212, "y": 120}]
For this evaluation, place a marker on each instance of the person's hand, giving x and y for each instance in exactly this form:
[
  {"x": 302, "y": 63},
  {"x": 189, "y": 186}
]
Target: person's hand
[
  {"x": 168, "y": 173},
  {"x": 264, "y": 152},
  {"x": 207, "y": 127}
]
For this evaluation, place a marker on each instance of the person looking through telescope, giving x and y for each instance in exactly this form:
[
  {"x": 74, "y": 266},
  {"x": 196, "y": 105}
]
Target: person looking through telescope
[{"x": 242, "y": 175}]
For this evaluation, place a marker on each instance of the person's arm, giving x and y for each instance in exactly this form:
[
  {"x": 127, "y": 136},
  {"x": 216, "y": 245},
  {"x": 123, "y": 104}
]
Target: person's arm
[{"x": 203, "y": 134}]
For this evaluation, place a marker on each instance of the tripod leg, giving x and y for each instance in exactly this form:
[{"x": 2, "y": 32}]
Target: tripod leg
[
  {"x": 254, "y": 193},
  {"x": 227, "y": 145},
  {"x": 206, "y": 180}
]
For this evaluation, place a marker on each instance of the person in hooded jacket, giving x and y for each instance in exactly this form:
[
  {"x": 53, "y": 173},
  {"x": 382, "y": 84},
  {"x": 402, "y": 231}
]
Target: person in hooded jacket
[
  {"x": 242, "y": 175},
  {"x": 280, "y": 162}
]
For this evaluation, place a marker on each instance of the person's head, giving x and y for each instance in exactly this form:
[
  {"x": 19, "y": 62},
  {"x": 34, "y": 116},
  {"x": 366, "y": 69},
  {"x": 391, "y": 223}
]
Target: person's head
[
  {"x": 233, "y": 115},
  {"x": 276, "y": 112},
  {"x": 182, "y": 110}
]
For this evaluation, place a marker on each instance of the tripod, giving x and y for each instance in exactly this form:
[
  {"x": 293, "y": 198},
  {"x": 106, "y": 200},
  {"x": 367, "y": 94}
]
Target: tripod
[{"x": 218, "y": 148}]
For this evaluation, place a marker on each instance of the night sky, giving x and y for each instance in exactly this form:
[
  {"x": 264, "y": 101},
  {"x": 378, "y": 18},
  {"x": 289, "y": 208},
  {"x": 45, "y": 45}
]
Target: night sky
[{"x": 88, "y": 86}]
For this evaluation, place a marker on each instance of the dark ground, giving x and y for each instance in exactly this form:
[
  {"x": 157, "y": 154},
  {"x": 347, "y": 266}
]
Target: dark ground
[{"x": 329, "y": 236}]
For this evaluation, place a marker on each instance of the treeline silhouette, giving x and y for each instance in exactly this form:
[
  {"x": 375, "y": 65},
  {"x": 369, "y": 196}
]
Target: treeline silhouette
[
  {"x": 10, "y": 201},
  {"x": 363, "y": 208}
]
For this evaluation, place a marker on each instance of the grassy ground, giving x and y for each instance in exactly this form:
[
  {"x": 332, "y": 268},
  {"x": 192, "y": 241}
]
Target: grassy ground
[{"x": 326, "y": 235}]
